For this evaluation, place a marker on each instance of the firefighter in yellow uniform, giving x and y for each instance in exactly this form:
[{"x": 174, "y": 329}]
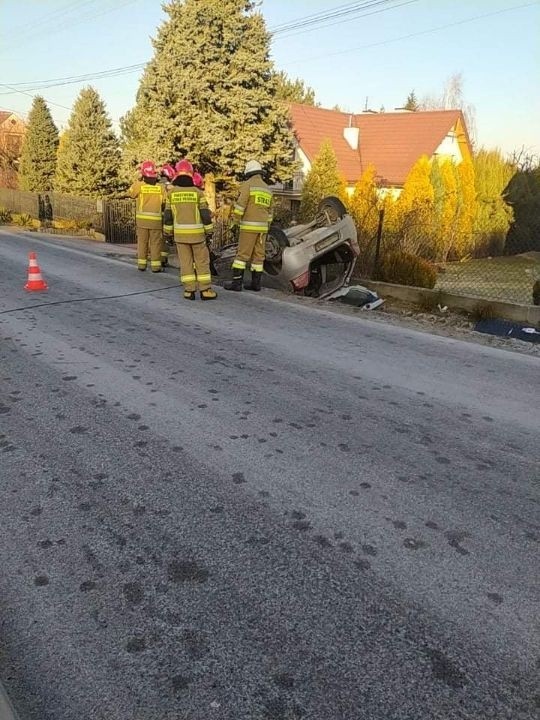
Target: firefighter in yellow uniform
[
  {"x": 167, "y": 175},
  {"x": 253, "y": 212},
  {"x": 192, "y": 222},
  {"x": 150, "y": 197}
]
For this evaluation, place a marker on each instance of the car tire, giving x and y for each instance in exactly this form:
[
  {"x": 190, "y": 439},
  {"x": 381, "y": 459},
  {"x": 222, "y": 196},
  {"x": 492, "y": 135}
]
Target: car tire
[
  {"x": 332, "y": 208},
  {"x": 276, "y": 241}
]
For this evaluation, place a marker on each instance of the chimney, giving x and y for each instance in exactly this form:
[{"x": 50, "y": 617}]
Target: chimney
[{"x": 352, "y": 134}]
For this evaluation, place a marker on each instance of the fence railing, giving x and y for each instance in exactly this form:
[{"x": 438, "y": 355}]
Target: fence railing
[
  {"x": 51, "y": 206},
  {"x": 506, "y": 277}
]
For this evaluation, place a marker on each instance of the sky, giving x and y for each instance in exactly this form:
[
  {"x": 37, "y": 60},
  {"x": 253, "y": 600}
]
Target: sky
[{"x": 377, "y": 58}]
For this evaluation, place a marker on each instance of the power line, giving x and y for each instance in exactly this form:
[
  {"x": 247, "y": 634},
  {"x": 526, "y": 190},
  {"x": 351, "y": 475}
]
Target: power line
[
  {"x": 23, "y": 92},
  {"x": 343, "y": 11},
  {"x": 346, "y": 19},
  {"x": 320, "y": 17},
  {"x": 416, "y": 34},
  {"x": 307, "y": 21},
  {"x": 38, "y": 29},
  {"x": 53, "y": 16}
]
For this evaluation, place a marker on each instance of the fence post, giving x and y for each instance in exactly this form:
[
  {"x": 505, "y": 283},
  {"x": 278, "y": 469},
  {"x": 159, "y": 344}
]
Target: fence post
[{"x": 378, "y": 245}]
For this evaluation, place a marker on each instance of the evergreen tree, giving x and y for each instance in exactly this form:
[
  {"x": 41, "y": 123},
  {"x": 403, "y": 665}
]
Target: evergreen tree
[
  {"x": 364, "y": 206},
  {"x": 210, "y": 93},
  {"x": 464, "y": 243},
  {"x": 493, "y": 216},
  {"x": 322, "y": 180},
  {"x": 89, "y": 154},
  {"x": 38, "y": 156},
  {"x": 294, "y": 91},
  {"x": 446, "y": 230},
  {"x": 413, "y": 212},
  {"x": 523, "y": 194},
  {"x": 364, "y": 209},
  {"x": 438, "y": 191},
  {"x": 412, "y": 102}
]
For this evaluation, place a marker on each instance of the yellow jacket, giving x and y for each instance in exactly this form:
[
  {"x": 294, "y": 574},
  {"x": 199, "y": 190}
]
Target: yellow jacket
[
  {"x": 150, "y": 201},
  {"x": 192, "y": 219},
  {"x": 253, "y": 209}
]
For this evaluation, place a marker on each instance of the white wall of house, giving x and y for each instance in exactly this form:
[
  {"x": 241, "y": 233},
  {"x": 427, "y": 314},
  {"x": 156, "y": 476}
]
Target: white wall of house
[
  {"x": 301, "y": 173},
  {"x": 449, "y": 148}
]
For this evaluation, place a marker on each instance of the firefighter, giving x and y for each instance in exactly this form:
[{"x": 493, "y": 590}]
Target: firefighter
[
  {"x": 198, "y": 180},
  {"x": 253, "y": 213},
  {"x": 167, "y": 175},
  {"x": 192, "y": 222},
  {"x": 150, "y": 197}
]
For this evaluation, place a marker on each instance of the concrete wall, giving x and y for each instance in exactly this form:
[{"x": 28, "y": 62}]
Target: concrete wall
[{"x": 508, "y": 311}]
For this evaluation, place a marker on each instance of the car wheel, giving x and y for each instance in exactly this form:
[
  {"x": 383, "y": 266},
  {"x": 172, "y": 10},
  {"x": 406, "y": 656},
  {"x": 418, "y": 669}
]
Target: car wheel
[
  {"x": 331, "y": 209},
  {"x": 276, "y": 241}
]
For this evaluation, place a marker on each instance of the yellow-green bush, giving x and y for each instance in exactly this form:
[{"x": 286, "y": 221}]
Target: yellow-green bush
[
  {"x": 23, "y": 220},
  {"x": 5, "y": 216},
  {"x": 406, "y": 269}
]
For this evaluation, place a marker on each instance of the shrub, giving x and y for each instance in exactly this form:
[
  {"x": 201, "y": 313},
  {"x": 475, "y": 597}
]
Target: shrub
[
  {"x": 536, "y": 293},
  {"x": 24, "y": 220},
  {"x": 484, "y": 311},
  {"x": 282, "y": 216},
  {"x": 5, "y": 216},
  {"x": 406, "y": 269}
]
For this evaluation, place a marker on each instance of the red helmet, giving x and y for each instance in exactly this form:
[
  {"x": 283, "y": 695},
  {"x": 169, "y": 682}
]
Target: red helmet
[
  {"x": 198, "y": 180},
  {"x": 168, "y": 171},
  {"x": 184, "y": 167},
  {"x": 148, "y": 169}
]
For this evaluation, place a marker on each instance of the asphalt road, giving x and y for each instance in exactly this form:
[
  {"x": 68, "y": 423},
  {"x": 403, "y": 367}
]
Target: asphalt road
[{"x": 255, "y": 509}]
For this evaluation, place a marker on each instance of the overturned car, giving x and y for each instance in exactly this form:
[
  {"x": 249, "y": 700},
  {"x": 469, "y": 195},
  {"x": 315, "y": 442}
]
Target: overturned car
[{"x": 315, "y": 258}]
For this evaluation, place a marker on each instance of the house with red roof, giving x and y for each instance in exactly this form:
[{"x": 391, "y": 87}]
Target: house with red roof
[
  {"x": 392, "y": 142},
  {"x": 12, "y": 130}
]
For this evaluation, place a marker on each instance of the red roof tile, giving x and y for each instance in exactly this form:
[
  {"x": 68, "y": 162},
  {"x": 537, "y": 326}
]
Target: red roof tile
[
  {"x": 392, "y": 142},
  {"x": 4, "y": 114}
]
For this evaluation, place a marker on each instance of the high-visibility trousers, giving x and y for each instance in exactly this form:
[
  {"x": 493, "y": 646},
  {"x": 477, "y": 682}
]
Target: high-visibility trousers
[
  {"x": 194, "y": 260},
  {"x": 149, "y": 240},
  {"x": 164, "y": 254},
  {"x": 251, "y": 249}
]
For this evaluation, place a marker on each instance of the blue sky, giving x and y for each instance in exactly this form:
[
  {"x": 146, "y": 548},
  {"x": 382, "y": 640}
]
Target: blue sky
[{"x": 382, "y": 56}]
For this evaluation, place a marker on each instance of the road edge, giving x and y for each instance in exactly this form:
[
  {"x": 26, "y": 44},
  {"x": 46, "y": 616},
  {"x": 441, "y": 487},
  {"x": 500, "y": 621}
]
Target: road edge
[{"x": 7, "y": 711}]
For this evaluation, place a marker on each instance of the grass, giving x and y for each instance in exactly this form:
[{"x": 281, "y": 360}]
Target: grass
[{"x": 502, "y": 278}]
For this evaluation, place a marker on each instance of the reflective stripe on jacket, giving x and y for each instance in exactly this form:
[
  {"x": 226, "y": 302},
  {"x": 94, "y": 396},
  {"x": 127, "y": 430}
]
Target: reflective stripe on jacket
[
  {"x": 186, "y": 204},
  {"x": 150, "y": 199},
  {"x": 253, "y": 209}
]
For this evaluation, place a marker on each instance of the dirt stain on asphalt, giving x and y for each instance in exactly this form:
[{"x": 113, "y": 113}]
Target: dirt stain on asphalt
[
  {"x": 445, "y": 669},
  {"x": 180, "y": 571}
]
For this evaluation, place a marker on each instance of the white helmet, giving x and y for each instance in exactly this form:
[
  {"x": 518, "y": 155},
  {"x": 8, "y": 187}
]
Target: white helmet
[{"x": 252, "y": 166}]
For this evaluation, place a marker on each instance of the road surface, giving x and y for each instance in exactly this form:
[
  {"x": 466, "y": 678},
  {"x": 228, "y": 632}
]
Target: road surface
[{"x": 257, "y": 510}]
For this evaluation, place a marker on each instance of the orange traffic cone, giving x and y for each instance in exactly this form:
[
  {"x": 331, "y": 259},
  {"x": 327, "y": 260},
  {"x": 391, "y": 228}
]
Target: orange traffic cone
[{"x": 35, "y": 281}]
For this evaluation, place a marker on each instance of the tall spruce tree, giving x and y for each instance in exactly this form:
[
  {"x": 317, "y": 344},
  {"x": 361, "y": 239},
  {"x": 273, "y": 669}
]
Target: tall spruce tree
[
  {"x": 89, "y": 154},
  {"x": 323, "y": 179},
  {"x": 210, "y": 93},
  {"x": 37, "y": 165},
  {"x": 294, "y": 91},
  {"x": 413, "y": 212},
  {"x": 492, "y": 173},
  {"x": 412, "y": 103}
]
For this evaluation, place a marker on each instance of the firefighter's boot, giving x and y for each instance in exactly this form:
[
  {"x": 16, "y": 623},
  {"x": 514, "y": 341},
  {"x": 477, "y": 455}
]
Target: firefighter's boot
[
  {"x": 208, "y": 294},
  {"x": 255, "y": 281},
  {"x": 237, "y": 281},
  {"x": 189, "y": 295}
]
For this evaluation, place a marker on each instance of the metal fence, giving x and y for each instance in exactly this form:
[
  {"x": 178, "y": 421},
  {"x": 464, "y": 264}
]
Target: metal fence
[
  {"x": 52, "y": 206},
  {"x": 512, "y": 275},
  {"x": 119, "y": 221}
]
